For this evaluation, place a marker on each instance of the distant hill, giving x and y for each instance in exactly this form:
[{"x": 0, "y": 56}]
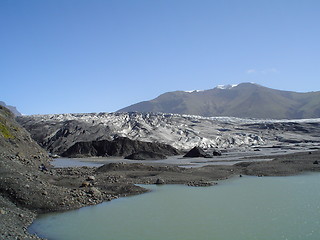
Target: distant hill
[
  {"x": 246, "y": 100},
  {"x": 11, "y": 108}
]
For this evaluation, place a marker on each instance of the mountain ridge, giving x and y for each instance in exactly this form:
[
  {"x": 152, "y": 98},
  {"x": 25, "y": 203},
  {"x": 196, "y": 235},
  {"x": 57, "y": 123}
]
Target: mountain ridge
[
  {"x": 245, "y": 100},
  {"x": 13, "y": 109}
]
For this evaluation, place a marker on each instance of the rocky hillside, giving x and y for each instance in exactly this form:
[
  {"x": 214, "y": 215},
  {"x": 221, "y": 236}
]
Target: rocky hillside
[
  {"x": 57, "y": 133},
  {"x": 20, "y": 178},
  {"x": 16, "y": 143},
  {"x": 245, "y": 100}
]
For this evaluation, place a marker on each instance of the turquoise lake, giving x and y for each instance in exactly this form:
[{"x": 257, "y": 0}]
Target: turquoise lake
[{"x": 247, "y": 208}]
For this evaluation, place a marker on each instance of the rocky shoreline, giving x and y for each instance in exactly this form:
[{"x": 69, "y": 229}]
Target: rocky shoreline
[{"x": 71, "y": 188}]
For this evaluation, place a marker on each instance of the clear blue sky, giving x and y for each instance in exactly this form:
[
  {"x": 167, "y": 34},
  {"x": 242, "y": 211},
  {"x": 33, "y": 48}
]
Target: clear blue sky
[{"x": 60, "y": 56}]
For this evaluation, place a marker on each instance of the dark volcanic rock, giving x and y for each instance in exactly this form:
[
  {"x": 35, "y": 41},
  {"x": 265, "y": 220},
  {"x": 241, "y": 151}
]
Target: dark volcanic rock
[
  {"x": 201, "y": 183},
  {"x": 119, "y": 147},
  {"x": 216, "y": 153},
  {"x": 88, "y": 149},
  {"x": 197, "y": 152},
  {"x": 144, "y": 155},
  {"x": 160, "y": 181}
]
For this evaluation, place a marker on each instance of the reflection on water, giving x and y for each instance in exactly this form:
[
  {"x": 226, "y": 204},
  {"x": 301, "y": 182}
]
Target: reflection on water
[{"x": 244, "y": 208}]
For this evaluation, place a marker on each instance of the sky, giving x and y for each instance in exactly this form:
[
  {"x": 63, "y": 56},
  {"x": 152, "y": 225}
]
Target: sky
[{"x": 79, "y": 56}]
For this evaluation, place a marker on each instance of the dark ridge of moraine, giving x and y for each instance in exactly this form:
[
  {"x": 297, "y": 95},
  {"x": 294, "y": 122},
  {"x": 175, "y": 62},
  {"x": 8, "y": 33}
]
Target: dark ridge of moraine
[
  {"x": 144, "y": 155},
  {"x": 121, "y": 146}
]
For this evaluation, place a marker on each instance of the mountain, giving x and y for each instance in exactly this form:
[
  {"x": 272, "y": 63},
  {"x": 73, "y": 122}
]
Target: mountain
[
  {"x": 245, "y": 100},
  {"x": 11, "y": 108}
]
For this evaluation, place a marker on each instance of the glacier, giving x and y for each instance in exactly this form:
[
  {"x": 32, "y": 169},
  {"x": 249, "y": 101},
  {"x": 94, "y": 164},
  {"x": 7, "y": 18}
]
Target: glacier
[{"x": 57, "y": 132}]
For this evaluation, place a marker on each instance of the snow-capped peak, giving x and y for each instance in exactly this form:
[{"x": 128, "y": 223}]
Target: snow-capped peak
[
  {"x": 229, "y": 86},
  {"x": 194, "y": 91}
]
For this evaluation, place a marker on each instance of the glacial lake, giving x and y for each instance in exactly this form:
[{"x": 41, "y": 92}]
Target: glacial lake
[{"x": 247, "y": 208}]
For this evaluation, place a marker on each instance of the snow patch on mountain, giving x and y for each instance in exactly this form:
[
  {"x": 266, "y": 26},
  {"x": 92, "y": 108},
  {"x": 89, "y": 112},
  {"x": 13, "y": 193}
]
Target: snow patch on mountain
[
  {"x": 229, "y": 86},
  {"x": 194, "y": 91}
]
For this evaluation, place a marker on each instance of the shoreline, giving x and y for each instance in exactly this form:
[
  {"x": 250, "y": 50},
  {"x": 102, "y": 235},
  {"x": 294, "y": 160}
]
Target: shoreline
[{"x": 116, "y": 180}]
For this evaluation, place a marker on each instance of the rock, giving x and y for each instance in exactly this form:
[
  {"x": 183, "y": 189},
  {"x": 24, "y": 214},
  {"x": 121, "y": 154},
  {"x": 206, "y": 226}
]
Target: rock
[
  {"x": 197, "y": 152},
  {"x": 86, "y": 184},
  {"x": 145, "y": 155},
  {"x": 94, "y": 191},
  {"x": 91, "y": 178},
  {"x": 160, "y": 181},
  {"x": 216, "y": 153},
  {"x": 200, "y": 183},
  {"x": 316, "y": 162},
  {"x": 2, "y": 211},
  {"x": 54, "y": 155}
]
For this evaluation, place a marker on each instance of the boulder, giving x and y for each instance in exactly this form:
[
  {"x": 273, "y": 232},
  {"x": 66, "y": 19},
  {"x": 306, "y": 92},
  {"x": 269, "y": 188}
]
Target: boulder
[
  {"x": 94, "y": 191},
  {"x": 200, "y": 183},
  {"x": 86, "y": 184},
  {"x": 216, "y": 153},
  {"x": 91, "y": 178},
  {"x": 145, "y": 155},
  {"x": 197, "y": 152},
  {"x": 159, "y": 181}
]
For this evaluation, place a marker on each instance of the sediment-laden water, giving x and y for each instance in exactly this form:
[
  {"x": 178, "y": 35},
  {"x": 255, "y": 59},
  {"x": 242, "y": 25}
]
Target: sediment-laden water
[{"x": 240, "y": 208}]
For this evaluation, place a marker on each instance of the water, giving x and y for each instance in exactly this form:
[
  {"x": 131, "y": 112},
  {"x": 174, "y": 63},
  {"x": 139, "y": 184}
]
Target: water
[
  {"x": 74, "y": 162},
  {"x": 245, "y": 208}
]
